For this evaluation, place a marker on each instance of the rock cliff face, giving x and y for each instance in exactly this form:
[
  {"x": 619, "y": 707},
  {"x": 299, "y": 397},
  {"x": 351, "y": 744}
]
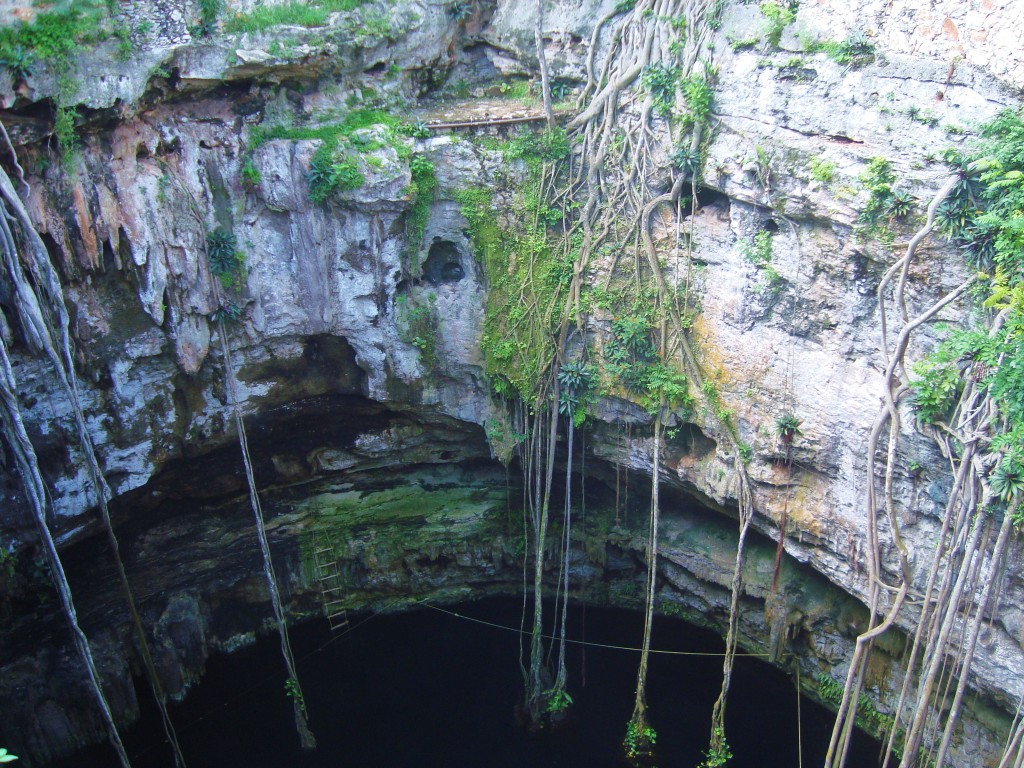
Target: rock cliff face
[{"x": 345, "y": 394}]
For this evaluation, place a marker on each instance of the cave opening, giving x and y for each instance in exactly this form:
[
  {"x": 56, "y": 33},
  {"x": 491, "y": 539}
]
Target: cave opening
[{"x": 430, "y": 688}]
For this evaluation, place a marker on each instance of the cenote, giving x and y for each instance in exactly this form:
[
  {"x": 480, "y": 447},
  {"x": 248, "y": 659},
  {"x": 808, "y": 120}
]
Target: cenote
[{"x": 432, "y": 688}]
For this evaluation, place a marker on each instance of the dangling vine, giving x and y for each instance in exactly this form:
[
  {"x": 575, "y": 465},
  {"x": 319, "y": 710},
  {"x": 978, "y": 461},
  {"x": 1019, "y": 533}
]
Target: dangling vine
[
  {"x": 32, "y": 306},
  {"x": 226, "y": 263},
  {"x": 968, "y": 395},
  {"x": 592, "y": 191}
]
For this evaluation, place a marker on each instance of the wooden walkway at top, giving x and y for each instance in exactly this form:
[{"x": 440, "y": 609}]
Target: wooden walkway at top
[{"x": 475, "y": 119}]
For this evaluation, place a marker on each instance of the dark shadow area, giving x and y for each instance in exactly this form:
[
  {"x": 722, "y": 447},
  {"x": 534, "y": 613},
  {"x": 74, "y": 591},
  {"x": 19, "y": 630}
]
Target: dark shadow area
[
  {"x": 443, "y": 263},
  {"x": 427, "y": 688}
]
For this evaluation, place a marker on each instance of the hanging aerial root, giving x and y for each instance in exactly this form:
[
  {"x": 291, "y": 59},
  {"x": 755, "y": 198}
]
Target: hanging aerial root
[
  {"x": 293, "y": 687},
  {"x": 35, "y": 490},
  {"x": 46, "y": 320}
]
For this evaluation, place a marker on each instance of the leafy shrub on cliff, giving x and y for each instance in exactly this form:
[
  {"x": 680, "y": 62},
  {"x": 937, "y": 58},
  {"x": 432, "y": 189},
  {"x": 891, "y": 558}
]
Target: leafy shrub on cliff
[
  {"x": 779, "y": 16},
  {"x": 424, "y": 182},
  {"x": 330, "y": 171},
  {"x": 227, "y": 262}
]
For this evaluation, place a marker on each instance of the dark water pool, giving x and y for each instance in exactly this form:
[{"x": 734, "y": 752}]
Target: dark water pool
[{"x": 425, "y": 689}]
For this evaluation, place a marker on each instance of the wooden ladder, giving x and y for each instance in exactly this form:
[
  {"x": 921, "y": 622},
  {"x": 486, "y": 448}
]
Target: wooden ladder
[{"x": 329, "y": 579}]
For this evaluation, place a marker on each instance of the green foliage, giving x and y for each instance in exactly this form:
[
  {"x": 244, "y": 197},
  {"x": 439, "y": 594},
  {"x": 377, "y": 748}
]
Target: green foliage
[
  {"x": 661, "y": 80},
  {"x": 779, "y": 16},
  {"x": 263, "y": 17},
  {"x": 746, "y": 453},
  {"x": 424, "y": 183},
  {"x": 228, "y": 314},
  {"x": 877, "y": 179},
  {"x": 209, "y": 13},
  {"x": 538, "y": 148},
  {"x": 524, "y": 278},
  {"x": 787, "y": 427},
  {"x": 822, "y": 170},
  {"x": 460, "y": 10},
  {"x": 7, "y": 757},
  {"x": 64, "y": 131},
  {"x": 687, "y": 160},
  {"x": 125, "y": 49},
  {"x": 632, "y": 359},
  {"x": 227, "y": 263},
  {"x": 251, "y": 176},
  {"x": 638, "y": 740},
  {"x": 526, "y": 264},
  {"x": 416, "y": 129},
  {"x": 558, "y": 701},
  {"x": 984, "y": 216},
  {"x": 293, "y": 691},
  {"x": 331, "y": 170},
  {"x": 17, "y": 59},
  {"x": 758, "y": 251},
  {"x": 295, "y": 13},
  {"x": 718, "y": 753},
  {"x": 56, "y": 34},
  {"x": 900, "y": 204},
  {"x": 1007, "y": 479},
  {"x": 855, "y": 51},
  {"x": 575, "y": 381},
  {"x": 698, "y": 94},
  {"x": 419, "y": 325}
]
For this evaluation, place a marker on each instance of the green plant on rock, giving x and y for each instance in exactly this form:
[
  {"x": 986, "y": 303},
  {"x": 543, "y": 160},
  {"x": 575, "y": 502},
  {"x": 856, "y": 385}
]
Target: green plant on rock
[
  {"x": 877, "y": 179},
  {"x": 65, "y": 132},
  {"x": 422, "y": 187},
  {"x": 419, "y": 327},
  {"x": 229, "y": 313},
  {"x": 758, "y": 250},
  {"x": 698, "y": 95},
  {"x": 17, "y": 59},
  {"x": 333, "y": 170},
  {"x": 227, "y": 262},
  {"x": 460, "y": 10},
  {"x": 822, "y": 170},
  {"x": 251, "y": 176},
  {"x": 746, "y": 453},
  {"x": 855, "y": 51},
  {"x": 209, "y": 13},
  {"x": 661, "y": 80},
  {"x": 900, "y": 204},
  {"x": 779, "y": 15},
  {"x": 1007, "y": 479},
  {"x": 575, "y": 380},
  {"x": 687, "y": 160},
  {"x": 787, "y": 427},
  {"x": 417, "y": 129},
  {"x": 294, "y": 691}
]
